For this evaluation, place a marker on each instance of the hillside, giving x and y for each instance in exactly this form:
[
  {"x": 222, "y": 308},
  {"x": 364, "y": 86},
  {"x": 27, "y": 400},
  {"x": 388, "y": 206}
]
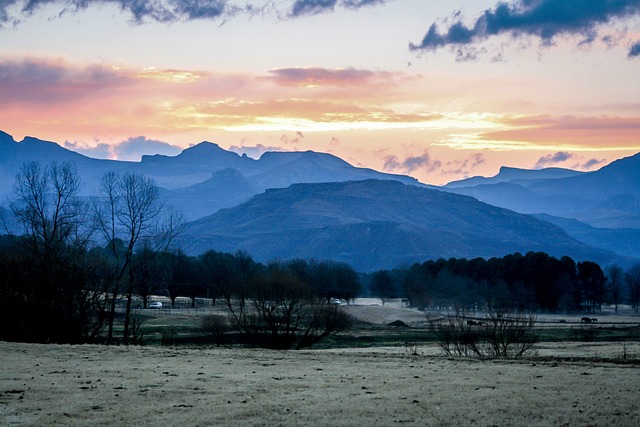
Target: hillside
[
  {"x": 375, "y": 224},
  {"x": 198, "y": 181},
  {"x": 606, "y": 198}
]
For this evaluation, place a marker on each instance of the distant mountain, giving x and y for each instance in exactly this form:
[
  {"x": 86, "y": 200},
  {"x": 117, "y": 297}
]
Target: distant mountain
[
  {"x": 523, "y": 177},
  {"x": 224, "y": 189},
  {"x": 375, "y": 224},
  {"x": 198, "y": 181},
  {"x": 606, "y": 198},
  {"x": 622, "y": 241}
]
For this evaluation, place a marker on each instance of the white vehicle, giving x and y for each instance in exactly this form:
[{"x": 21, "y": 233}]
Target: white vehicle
[
  {"x": 156, "y": 305},
  {"x": 337, "y": 301}
]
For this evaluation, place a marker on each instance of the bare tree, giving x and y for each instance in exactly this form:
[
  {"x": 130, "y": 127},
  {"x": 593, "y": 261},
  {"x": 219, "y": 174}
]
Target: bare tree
[
  {"x": 53, "y": 278},
  {"x": 509, "y": 334},
  {"x": 128, "y": 213},
  {"x": 278, "y": 310},
  {"x": 47, "y": 205}
]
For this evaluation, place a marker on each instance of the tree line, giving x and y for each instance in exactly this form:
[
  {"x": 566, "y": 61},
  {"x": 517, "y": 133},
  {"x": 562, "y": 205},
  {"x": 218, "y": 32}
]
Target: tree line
[
  {"x": 63, "y": 274},
  {"x": 535, "y": 281}
]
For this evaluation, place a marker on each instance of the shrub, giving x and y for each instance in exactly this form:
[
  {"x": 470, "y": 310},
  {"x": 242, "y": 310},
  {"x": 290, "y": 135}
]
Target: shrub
[
  {"x": 217, "y": 327},
  {"x": 499, "y": 335}
]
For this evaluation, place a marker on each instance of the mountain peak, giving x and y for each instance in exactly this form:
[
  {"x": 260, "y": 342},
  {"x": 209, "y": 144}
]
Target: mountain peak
[
  {"x": 203, "y": 146},
  {"x": 6, "y": 138}
]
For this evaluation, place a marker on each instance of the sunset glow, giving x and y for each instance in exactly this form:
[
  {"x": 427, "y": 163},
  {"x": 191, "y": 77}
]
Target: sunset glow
[{"x": 383, "y": 84}]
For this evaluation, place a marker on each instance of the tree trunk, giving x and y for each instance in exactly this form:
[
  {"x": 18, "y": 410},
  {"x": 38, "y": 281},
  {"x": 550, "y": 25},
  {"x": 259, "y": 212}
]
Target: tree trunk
[{"x": 112, "y": 313}]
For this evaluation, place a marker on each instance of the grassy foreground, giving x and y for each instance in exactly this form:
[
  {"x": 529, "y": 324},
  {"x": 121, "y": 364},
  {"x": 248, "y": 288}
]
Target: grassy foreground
[
  {"x": 375, "y": 374},
  {"x": 567, "y": 384}
]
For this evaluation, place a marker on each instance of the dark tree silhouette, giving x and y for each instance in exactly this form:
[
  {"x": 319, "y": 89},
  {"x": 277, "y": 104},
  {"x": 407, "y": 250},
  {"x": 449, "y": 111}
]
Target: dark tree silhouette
[
  {"x": 382, "y": 286},
  {"x": 47, "y": 289},
  {"x": 592, "y": 284},
  {"x": 129, "y": 210}
]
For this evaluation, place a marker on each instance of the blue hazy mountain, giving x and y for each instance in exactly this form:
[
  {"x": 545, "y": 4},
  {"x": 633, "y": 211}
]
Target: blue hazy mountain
[
  {"x": 375, "y": 224},
  {"x": 524, "y": 177},
  {"x": 622, "y": 241},
  {"x": 606, "y": 198},
  {"x": 198, "y": 181},
  {"x": 205, "y": 178}
]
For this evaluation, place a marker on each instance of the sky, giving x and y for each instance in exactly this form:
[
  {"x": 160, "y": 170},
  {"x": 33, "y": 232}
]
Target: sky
[{"x": 439, "y": 90}]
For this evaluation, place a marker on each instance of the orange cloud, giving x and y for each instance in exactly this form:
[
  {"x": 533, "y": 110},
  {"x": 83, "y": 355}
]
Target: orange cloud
[{"x": 586, "y": 132}]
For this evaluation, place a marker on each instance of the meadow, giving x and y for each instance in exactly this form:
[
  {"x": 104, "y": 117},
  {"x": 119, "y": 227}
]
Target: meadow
[{"x": 411, "y": 383}]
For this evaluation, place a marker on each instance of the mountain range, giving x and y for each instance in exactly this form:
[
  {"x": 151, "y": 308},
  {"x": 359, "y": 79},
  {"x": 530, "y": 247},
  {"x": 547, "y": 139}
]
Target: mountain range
[
  {"x": 606, "y": 198},
  {"x": 376, "y": 224},
  {"x": 315, "y": 205},
  {"x": 198, "y": 181}
]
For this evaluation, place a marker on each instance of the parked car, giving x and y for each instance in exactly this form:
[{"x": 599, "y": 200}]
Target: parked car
[
  {"x": 337, "y": 301},
  {"x": 156, "y": 304}
]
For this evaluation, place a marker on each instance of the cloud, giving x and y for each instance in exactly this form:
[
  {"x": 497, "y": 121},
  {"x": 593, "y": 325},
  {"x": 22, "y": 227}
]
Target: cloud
[
  {"x": 356, "y": 4},
  {"x": 134, "y": 148},
  {"x": 141, "y": 10},
  {"x": 311, "y": 77},
  {"x": 99, "y": 151},
  {"x": 544, "y": 19},
  {"x": 30, "y": 80},
  {"x": 131, "y": 149},
  {"x": 563, "y": 156},
  {"x": 634, "y": 50},
  {"x": 411, "y": 163},
  {"x": 253, "y": 151},
  {"x": 169, "y": 11},
  {"x": 464, "y": 167},
  {"x": 315, "y": 7},
  {"x": 289, "y": 141},
  {"x": 592, "y": 163},
  {"x": 569, "y": 133},
  {"x": 553, "y": 159},
  {"x": 312, "y": 7}
]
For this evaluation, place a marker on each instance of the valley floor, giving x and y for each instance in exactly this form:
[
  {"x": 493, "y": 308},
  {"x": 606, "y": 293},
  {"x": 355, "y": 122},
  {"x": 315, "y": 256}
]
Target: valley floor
[{"x": 566, "y": 384}]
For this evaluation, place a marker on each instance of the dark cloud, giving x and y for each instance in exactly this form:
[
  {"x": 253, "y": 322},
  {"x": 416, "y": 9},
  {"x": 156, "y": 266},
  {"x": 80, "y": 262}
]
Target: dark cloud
[
  {"x": 545, "y": 19},
  {"x": 200, "y": 9},
  {"x": 635, "y": 50},
  {"x": 315, "y": 7},
  {"x": 312, "y": 7},
  {"x": 411, "y": 163},
  {"x": 296, "y": 139},
  {"x": 592, "y": 163},
  {"x": 552, "y": 159},
  {"x": 156, "y": 10},
  {"x": 356, "y": 4},
  {"x": 176, "y": 10},
  {"x": 40, "y": 81},
  {"x": 464, "y": 54},
  {"x": 464, "y": 167},
  {"x": 99, "y": 151}
]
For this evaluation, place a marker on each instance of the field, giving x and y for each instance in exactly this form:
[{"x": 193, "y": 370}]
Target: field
[{"x": 565, "y": 383}]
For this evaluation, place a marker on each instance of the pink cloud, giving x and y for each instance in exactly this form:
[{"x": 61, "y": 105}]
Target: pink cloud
[
  {"x": 324, "y": 76},
  {"x": 586, "y": 131}
]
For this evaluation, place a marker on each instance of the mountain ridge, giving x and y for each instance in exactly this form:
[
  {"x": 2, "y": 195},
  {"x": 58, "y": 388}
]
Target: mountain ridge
[
  {"x": 205, "y": 178},
  {"x": 374, "y": 224},
  {"x": 194, "y": 165}
]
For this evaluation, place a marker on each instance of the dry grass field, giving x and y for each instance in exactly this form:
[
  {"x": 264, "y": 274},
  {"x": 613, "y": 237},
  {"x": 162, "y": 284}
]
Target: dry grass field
[{"x": 572, "y": 384}]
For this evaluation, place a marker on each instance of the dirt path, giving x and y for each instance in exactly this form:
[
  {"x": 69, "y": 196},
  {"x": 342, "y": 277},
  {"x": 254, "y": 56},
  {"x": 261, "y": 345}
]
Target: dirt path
[{"x": 80, "y": 385}]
